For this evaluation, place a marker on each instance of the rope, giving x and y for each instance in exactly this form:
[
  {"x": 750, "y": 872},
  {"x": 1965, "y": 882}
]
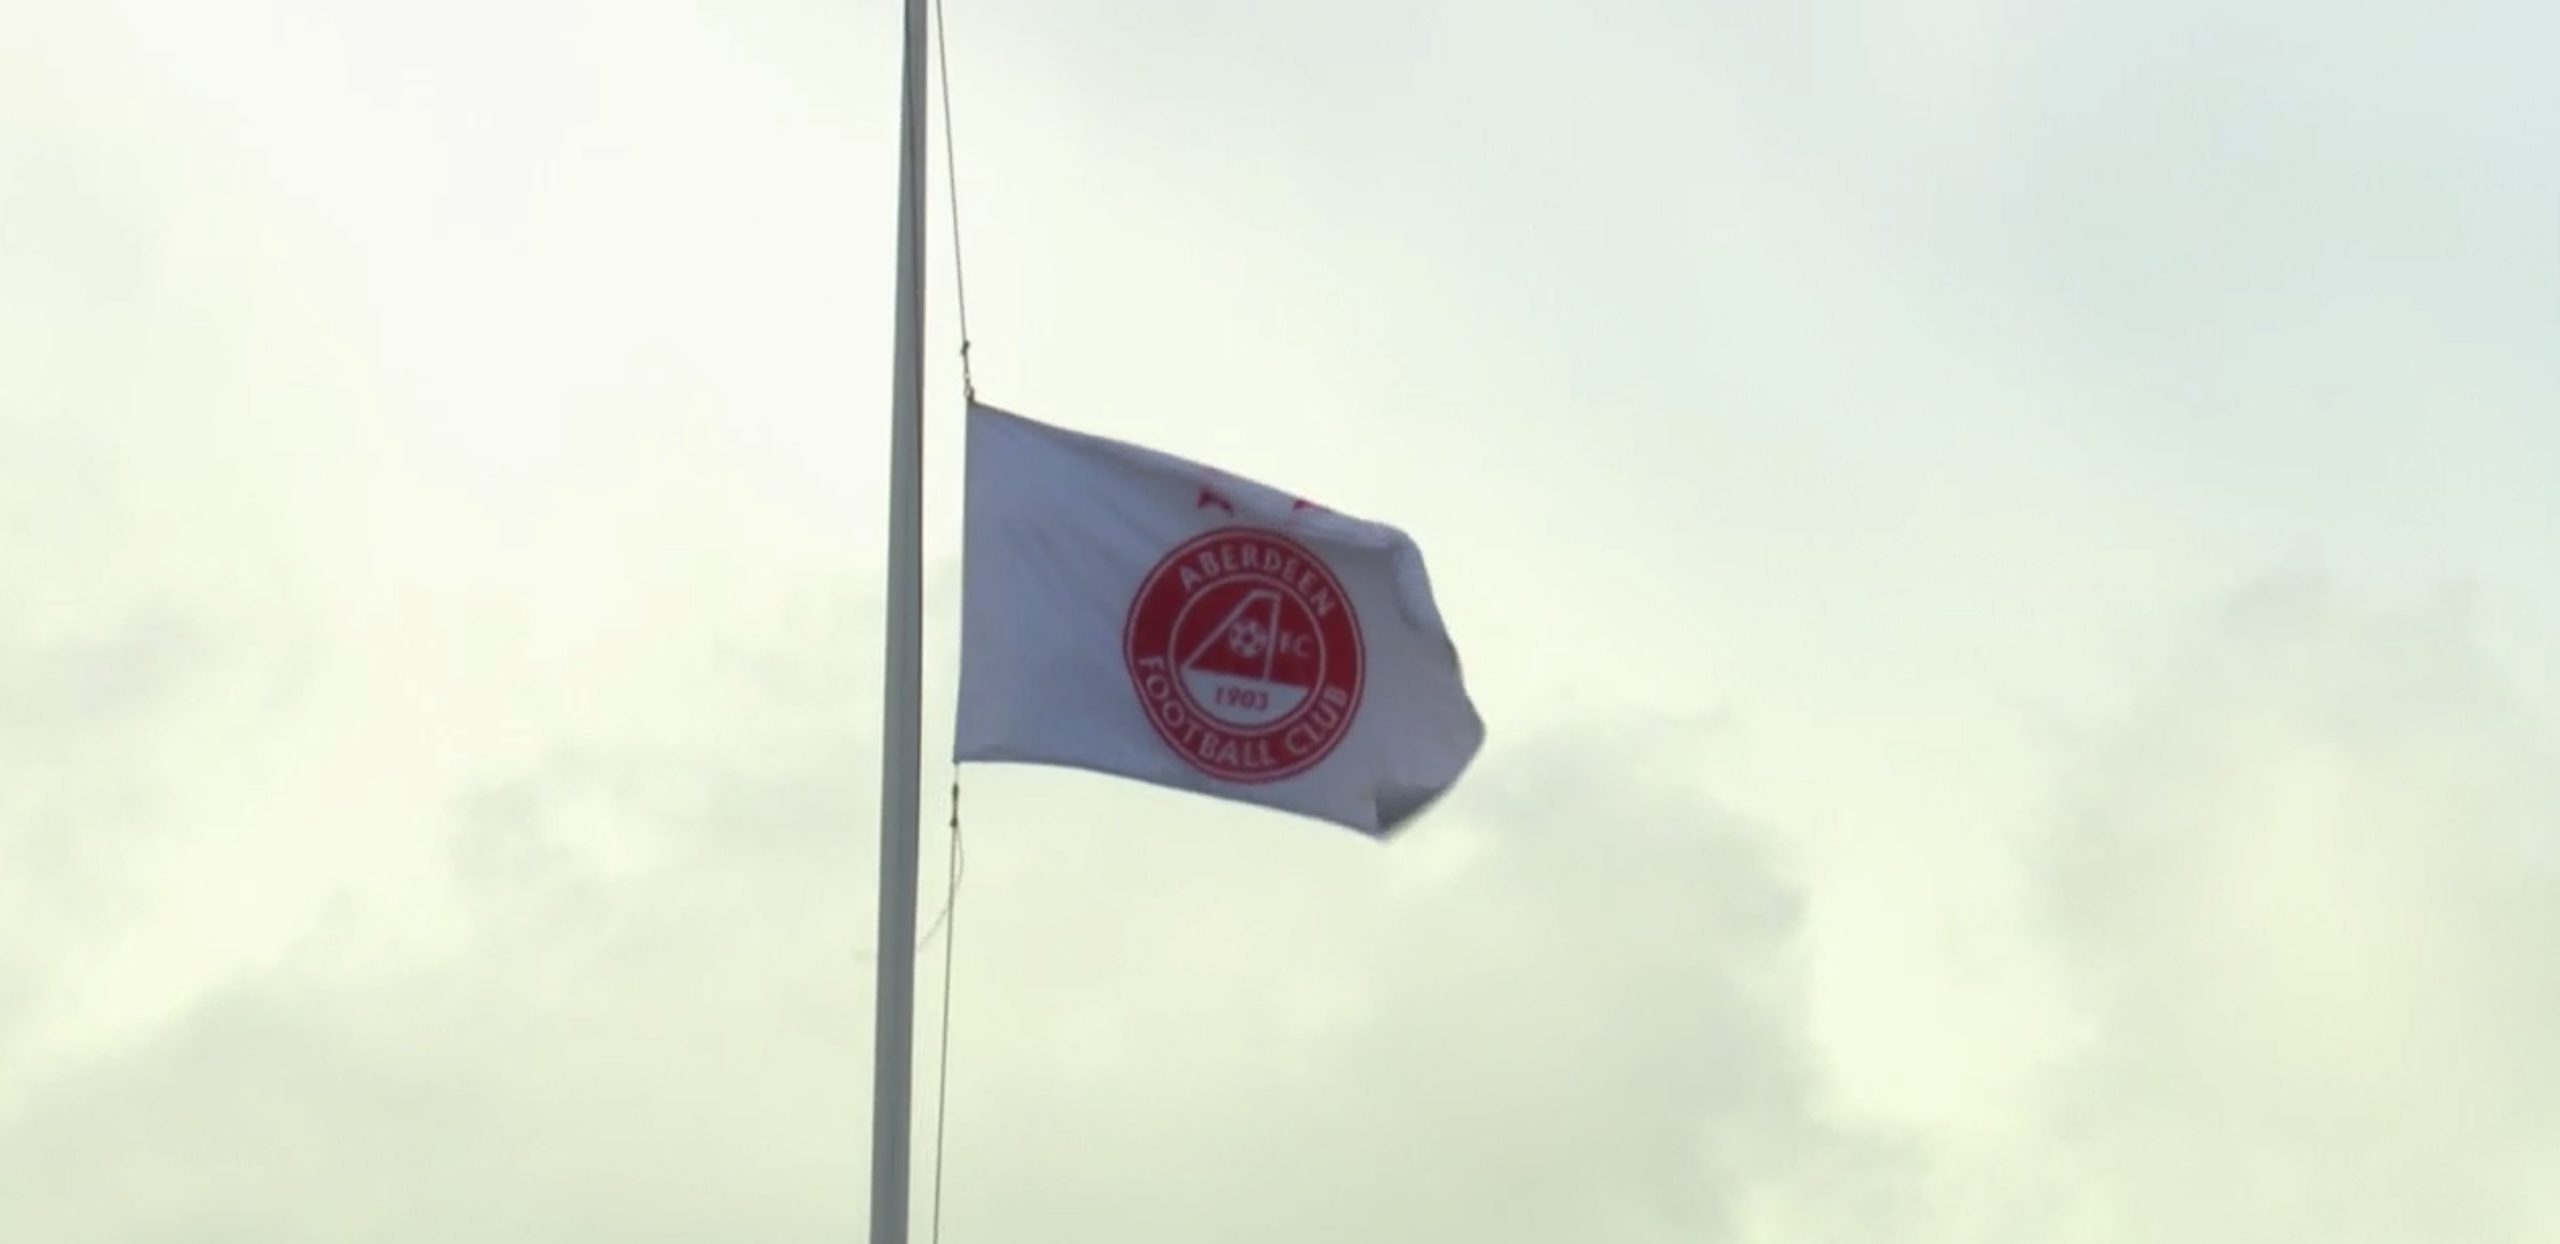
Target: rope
[
  {"x": 942, "y": 917},
  {"x": 947, "y": 922},
  {"x": 951, "y": 195},
  {"x": 942, "y": 1063}
]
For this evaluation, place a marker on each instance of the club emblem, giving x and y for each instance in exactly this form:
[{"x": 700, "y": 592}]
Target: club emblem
[{"x": 1246, "y": 655}]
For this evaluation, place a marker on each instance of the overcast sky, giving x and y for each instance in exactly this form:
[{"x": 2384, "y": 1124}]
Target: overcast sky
[{"x": 2006, "y": 551}]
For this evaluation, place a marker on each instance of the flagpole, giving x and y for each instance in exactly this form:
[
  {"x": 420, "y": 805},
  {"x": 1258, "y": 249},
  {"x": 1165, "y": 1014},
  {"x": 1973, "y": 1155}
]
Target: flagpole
[{"x": 901, "y": 752}]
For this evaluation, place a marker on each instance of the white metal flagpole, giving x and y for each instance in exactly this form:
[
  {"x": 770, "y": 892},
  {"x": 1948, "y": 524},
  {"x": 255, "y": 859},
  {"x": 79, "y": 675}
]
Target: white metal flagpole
[{"x": 901, "y": 752}]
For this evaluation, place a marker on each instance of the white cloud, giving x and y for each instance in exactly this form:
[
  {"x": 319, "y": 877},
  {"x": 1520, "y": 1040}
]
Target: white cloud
[
  {"x": 1580, "y": 1019},
  {"x": 2307, "y": 889}
]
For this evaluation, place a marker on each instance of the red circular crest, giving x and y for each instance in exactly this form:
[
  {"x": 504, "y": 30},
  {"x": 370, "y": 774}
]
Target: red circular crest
[{"x": 1245, "y": 654}]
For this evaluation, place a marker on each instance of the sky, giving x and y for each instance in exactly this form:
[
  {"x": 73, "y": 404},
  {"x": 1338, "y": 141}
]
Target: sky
[{"x": 2003, "y": 549}]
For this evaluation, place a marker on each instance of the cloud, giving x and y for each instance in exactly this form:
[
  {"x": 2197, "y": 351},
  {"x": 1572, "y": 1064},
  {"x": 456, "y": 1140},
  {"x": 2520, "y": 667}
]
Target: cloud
[
  {"x": 2299, "y": 893},
  {"x": 2307, "y": 890},
  {"x": 626, "y": 1006},
  {"x": 1568, "y": 1005}
]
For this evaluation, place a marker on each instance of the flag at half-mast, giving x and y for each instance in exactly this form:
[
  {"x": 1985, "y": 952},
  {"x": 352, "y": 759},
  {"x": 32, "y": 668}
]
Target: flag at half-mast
[{"x": 1133, "y": 613}]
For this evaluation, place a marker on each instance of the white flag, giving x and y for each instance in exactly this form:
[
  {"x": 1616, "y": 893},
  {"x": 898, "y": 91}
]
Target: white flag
[{"x": 1129, "y": 612}]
